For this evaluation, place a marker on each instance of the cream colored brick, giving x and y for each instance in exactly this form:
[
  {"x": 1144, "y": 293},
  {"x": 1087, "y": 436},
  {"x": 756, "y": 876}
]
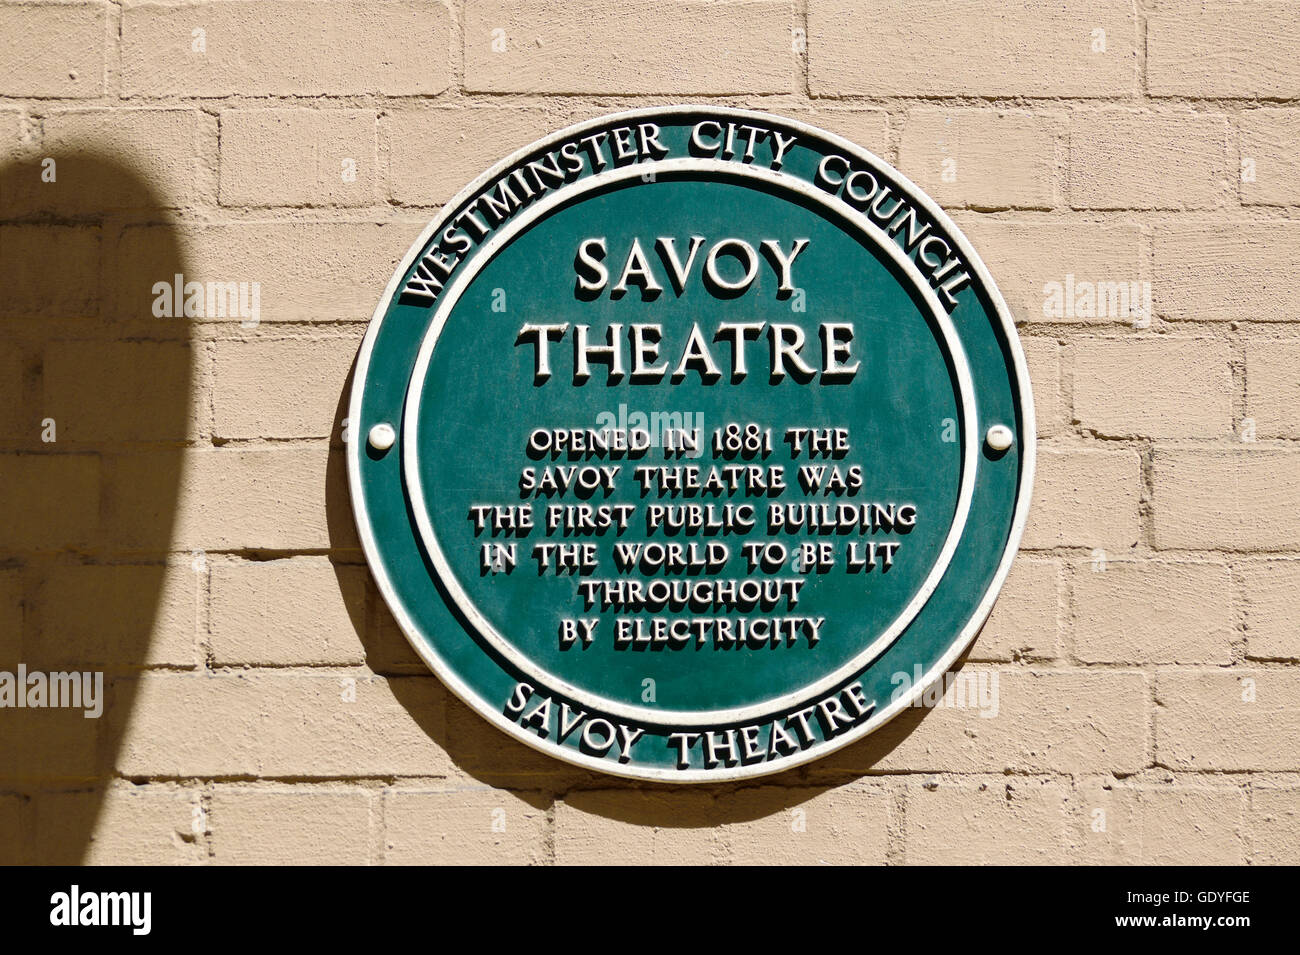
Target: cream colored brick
[
  {"x": 387, "y": 649},
  {"x": 476, "y": 826},
  {"x": 350, "y": 262},
  {"x": 11, "y": 133},
  {"x": 1273, "y": 387},
  {"x": 1235, "y": 500},
  {"x": 1025, "y": 622},
  {"x": 1143, "y": 611},
  {"x": 1059, "y": 721},
  {"x": 115, "y": 615},
  {"x": 229, "y": 498},
  {"x": 1161, "y": 824},
  {"x": 286, "y": 48},
  {"x": 25, "y": 254},
  {"x": 638, "y": 827},
  {"x": 1275, "y": 825},
  {"x": 1267, "y": 148},
  {"x": 297, "y": 825},
  {"x": 95, "y": 148},
  {"x": 1220, "y": 272},
  {"x": 966, "y": 48},
  {"x": 1228, "y": 720},
  {"x": 14, "y": 830},
  {"x": 284, "y": 724},
  {"x": 779, "y": 825},
  {"x": 1156, "y": 387},
  {"x": 1130, "y": 159},
  {"x": 19, "y": 417},
  {"x": 126, "y": 825},
  {"x": 285, "y": 388},
  {"x": 298, "y": 157},
  {"x": 51, "y": 501},
  {"x": 465, "y": 139},
  {"x": 1043, "y": 355},
  {"x": 1084, "y": 497},
  {"x": 1032, "y": 262},
  {"x": 1224, "y": 49},
  {"x": 53, "y": 49},
  {"x": 868, "y": 128},
  {"x": 12, "y": 609},
  {"x": 55, "y": 744},
  {"x": 982, "y": 158},
  {"x": 284, "y": 612},
  {"x": 1271, "y": 597},
  {"x": 992, "y": 822},
  {"x": 102, "y": 392},
  {"x": 638, "y": 46},
  {"x": 489, "y": 756}
]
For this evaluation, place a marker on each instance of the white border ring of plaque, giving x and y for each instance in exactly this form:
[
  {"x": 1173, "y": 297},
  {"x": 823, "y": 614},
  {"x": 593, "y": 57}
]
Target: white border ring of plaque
[{"x": 364, "y": 415}]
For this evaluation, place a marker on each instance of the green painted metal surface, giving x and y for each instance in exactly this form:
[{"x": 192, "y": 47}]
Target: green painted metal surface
[{"x": 451, "y": 362}]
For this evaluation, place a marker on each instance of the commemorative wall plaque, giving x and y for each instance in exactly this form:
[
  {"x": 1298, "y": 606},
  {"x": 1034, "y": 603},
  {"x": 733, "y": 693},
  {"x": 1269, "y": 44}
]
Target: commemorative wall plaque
[{"x": 691, "y": 443}]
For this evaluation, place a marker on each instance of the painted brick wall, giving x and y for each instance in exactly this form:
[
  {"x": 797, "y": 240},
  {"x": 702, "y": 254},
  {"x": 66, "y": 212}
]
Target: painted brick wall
[{"x": 173, "y": 508}]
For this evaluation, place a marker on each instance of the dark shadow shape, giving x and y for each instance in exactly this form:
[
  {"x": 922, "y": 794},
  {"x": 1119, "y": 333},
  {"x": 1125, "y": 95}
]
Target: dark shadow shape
[{"x": 86, "y": 519}]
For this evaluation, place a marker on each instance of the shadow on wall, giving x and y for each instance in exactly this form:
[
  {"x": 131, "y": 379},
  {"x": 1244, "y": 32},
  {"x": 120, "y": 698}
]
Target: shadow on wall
[
  {"x": 94, "y": 417},
  {"x": 96, "y": 411}
]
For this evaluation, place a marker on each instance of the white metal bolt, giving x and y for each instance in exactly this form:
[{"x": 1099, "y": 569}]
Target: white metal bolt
[
  {"x": 382, "y": 436},
  {"x": 999, "y": 437}
]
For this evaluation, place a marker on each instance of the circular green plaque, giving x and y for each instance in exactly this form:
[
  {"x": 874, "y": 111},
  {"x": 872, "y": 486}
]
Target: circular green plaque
[{"x": 692, "y": 443}]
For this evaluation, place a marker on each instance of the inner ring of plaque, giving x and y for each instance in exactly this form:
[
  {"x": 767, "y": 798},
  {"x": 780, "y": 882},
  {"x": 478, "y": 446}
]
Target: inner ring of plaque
[{"x": 907, "y": 335}]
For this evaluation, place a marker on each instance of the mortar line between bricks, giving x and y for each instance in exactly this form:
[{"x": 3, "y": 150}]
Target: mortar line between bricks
[
  {"x": 1143, "y": 37},
  {"x": 550, "y": 830},
  {"x": 203, "y": 619},
  {"x": 1240, "y": 646},
  {"x": 377, "y": 816},
  {"x": 384, "y": 214},
  {"x": 1151, "y": 742},
  {"x": 396, "y": 214},
  {"x": 113, "y": 53},
  {"x": 543, "y": 784},
  {"x": 805, "y": 54},
  {"x": 1132, "y": 102},
  {"x": 1069, "y": 635},
  {"x": 457, "y": 42},
  {"x": 204, "y": 797},
  {"x": 1147, "y": 493}
]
